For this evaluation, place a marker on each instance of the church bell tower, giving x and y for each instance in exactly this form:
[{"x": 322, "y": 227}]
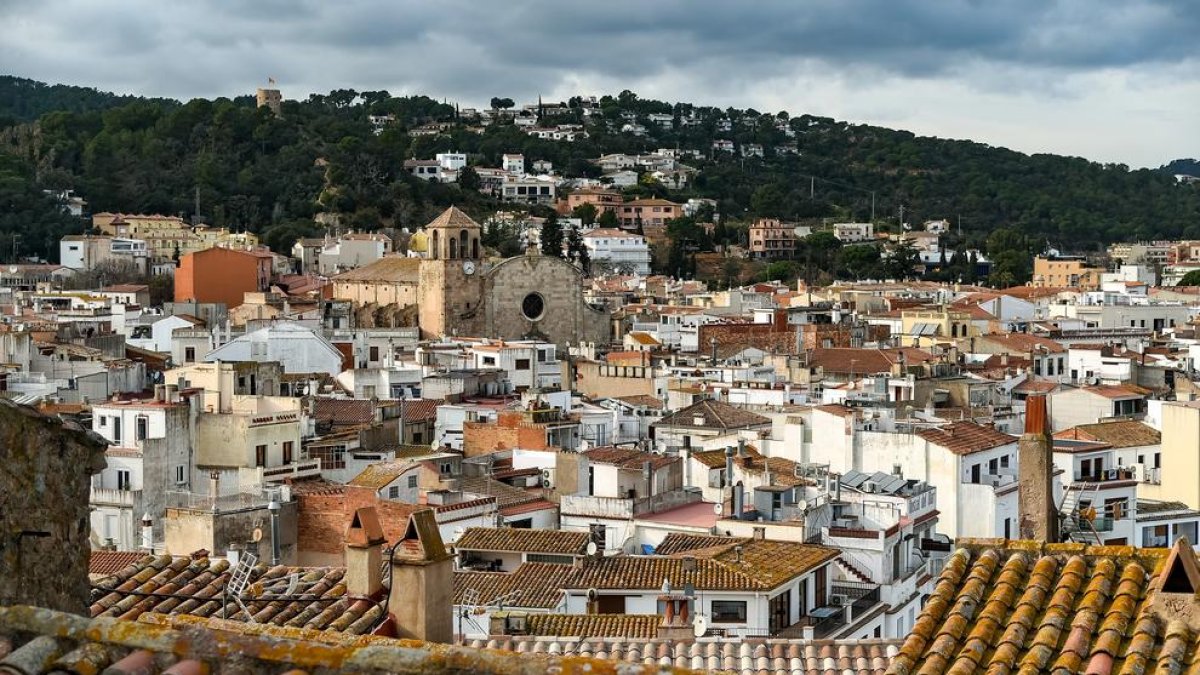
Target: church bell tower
[{"x": 451, "y": 287}]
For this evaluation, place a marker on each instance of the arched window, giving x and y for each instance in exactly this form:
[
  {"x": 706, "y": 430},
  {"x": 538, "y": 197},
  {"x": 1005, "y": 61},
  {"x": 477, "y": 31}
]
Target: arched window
[
  {"x": 453, "y": 248},
  {"x": 475, "y": 247},
  {"x": 463, "y": 244},
  {"x": 434, "y": 242}
]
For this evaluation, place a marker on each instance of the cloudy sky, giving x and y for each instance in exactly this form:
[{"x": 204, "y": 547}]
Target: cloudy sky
[{"x": 1111, "y": 81}]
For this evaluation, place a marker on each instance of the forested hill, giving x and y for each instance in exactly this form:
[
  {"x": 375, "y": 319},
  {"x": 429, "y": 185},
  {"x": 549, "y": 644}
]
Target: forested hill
[
  {"x": 24, "y": 100},
  {"x": 273, "y": 175},
  {"x": 1189, "y": 167}
]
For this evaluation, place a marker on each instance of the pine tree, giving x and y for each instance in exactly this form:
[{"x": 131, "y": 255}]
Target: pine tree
[
  {"x": 552, "y": 236},
  {"x": 576, "y": 250}
]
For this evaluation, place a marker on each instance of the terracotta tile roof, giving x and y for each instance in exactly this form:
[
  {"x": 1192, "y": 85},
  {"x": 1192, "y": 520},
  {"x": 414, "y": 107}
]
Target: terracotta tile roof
[
  {"x": 376, "y": 476},
  {"x": 1117, "y": 391},
  {"x": 527, "y": 541},
  {"x": 106, "y": 563},
  {"x": 1117, "y": 434},
  {"x": 208, "y": 645},
  {"x": 628, "y": 458},
  {"x": 682, "y": 542},
  {"x": 644, "y": 626},
  {"x": 388, "y": 269},
  {"x": 1035, "y": 386},
  {"x": 319, "y": 600},
  {"x": 715, "y": 414},
  {"x": 964, "y": 438},
  {"x": 866, "y": 361},
  {"x": 1023, "y": 343},
  {"x": 528, "y": 507},
  {"x": 736, "y": 656},
  {"x": 344, "y": 410},
  {"x": 760, "y": 565},
  {"x": 453, "y": 218},
  {"x": 643, "y": 400},
  {"x": 1002, "y": 606},
  {"x": 531, "y": 586},
  {"x": 421, "y": 409},
  {"x": 715, "y": 459}
]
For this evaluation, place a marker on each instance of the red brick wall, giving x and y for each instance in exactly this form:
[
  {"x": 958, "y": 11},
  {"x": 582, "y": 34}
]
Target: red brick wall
[
  {"x": 509, "y": 431},
  {"x": 322, "y": 519}
]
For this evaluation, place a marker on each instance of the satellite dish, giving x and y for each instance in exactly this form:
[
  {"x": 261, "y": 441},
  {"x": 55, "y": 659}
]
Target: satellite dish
[
  {"x": 700, "y": 625},
  {"x": 257, "y": 535},
  {"x": 802, "y": 504},
  {"x": 718, "y": 508},
  {"x": 591, "y": 548},
  {"x": 592, "y": 594}
]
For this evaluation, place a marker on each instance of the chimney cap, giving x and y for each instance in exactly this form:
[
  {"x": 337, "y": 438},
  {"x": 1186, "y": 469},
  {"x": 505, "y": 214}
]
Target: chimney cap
[{"x": 365, "y": 529}]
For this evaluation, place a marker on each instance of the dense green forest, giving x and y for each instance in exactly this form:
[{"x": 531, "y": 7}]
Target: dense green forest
[{"x": 253, "y": 171}]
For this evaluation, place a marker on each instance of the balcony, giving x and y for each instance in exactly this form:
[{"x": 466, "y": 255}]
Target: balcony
[
  {"x": 114, "y": 497},
  {"x": 308, "y": 468},
  {"x": 1107, "y": 475}
]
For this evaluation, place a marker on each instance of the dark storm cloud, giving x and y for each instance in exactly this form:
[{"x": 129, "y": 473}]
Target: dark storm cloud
[
  {"x": 465, "y": 46},
  {"x": 1088, "y": 66}
]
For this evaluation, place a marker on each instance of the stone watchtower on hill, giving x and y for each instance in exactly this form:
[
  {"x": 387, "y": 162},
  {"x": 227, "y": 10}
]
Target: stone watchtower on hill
[{"x": 270, "y": 98}]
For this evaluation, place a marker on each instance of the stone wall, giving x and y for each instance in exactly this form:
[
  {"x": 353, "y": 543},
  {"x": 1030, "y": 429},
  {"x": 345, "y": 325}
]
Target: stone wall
[
  {"x": 567, "y": 317},
  {"x": 45, "y": 476}
]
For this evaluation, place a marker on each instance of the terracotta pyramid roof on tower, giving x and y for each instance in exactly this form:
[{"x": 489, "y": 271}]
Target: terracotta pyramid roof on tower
[{"x": 452, "y": 218}]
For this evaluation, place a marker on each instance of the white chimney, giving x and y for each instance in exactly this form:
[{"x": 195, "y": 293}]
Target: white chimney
[{"x": 147, "y": 533}]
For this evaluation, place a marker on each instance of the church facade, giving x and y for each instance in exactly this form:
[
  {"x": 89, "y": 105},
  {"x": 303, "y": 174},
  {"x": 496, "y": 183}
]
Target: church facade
[{"x": 457, "y": 293}]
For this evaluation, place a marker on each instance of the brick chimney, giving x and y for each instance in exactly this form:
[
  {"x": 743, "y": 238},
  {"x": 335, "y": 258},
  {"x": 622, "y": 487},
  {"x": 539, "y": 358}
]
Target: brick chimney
[
  {"x": 1038, "y": 517},
  {"x": 421, "y": 599},
  {"x": 364, "y": 554}
]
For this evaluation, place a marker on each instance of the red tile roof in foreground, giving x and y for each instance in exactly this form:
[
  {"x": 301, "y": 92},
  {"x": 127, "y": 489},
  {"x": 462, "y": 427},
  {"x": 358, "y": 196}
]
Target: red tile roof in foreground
[
  {"x": 110, "y": 562},
  {"x": 1030, "y": 607}
]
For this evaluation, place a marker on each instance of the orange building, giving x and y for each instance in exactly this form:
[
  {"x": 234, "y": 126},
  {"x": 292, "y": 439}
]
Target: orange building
[
  {"x": 602, "y": 199},
  {"x": 222, "y": 275}
]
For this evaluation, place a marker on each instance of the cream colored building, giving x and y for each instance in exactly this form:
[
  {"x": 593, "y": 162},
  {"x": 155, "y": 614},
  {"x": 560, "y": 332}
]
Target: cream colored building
[
  {"x": 1180, "y": 472},
  {"x": 166, "y": 235}
]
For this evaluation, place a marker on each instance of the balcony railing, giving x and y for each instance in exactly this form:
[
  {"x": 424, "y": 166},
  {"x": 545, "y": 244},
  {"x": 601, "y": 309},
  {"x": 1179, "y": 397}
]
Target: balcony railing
[
  {"x": 1106, "y": 475},
  {"x": 309, "y": 468},
  {"x": 862, "y": 596},
  {"x": 114, "y": 497}
]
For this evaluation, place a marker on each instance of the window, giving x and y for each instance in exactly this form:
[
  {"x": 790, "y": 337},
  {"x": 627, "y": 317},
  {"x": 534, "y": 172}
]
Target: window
[
  {"x": 189, "y": 354},
  {"x": 522, "y": 364},
  {"x": 412, "y": 482},
  {"x": 976, "y": 473},
  {"x": 729, "y": 611},
  {"x": 260, "y": 455},
  {"x": 533, "y": 306},
  {"x": 1185, "y": 530},
  {"x": 549, "y": 558},
  {"x": 123, "y": 479},
  {"x": 180, "y": 474},
  {"x": 141, "y": 427},
  {"x": 374, "y": 354},
  {"x": 116, "y": 429},
  {"x": 288, "y": 447},
  {"x": 1004, "y": 462},
  {"x": 103, "y": 421},
  {"x": 394, "y": 492}
]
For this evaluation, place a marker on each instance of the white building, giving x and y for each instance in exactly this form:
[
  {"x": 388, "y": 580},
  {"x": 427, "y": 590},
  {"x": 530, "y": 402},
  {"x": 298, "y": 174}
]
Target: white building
[
  {"x": 453, "y": 161},
  {"x": 353, "y": 250},
  {"x": 86, "y": 251},
  {"x": 854, "y": 232},
  {"x": 525, "y": 189},
  {"x": 623, "y": 252},
  {"x": 514, "y": 164},
  {"x": 152, "y": 444},
  {"x": 296, "y": 348}
]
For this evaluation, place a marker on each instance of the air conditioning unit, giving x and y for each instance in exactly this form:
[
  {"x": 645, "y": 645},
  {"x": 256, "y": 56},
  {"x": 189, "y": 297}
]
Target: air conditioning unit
[
  {"x": 1139, "y": 473},
  {"x": 870, "y": 486},
  {"x": 839, "y": 599},
  {"x": 1110, "y": 474}
]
